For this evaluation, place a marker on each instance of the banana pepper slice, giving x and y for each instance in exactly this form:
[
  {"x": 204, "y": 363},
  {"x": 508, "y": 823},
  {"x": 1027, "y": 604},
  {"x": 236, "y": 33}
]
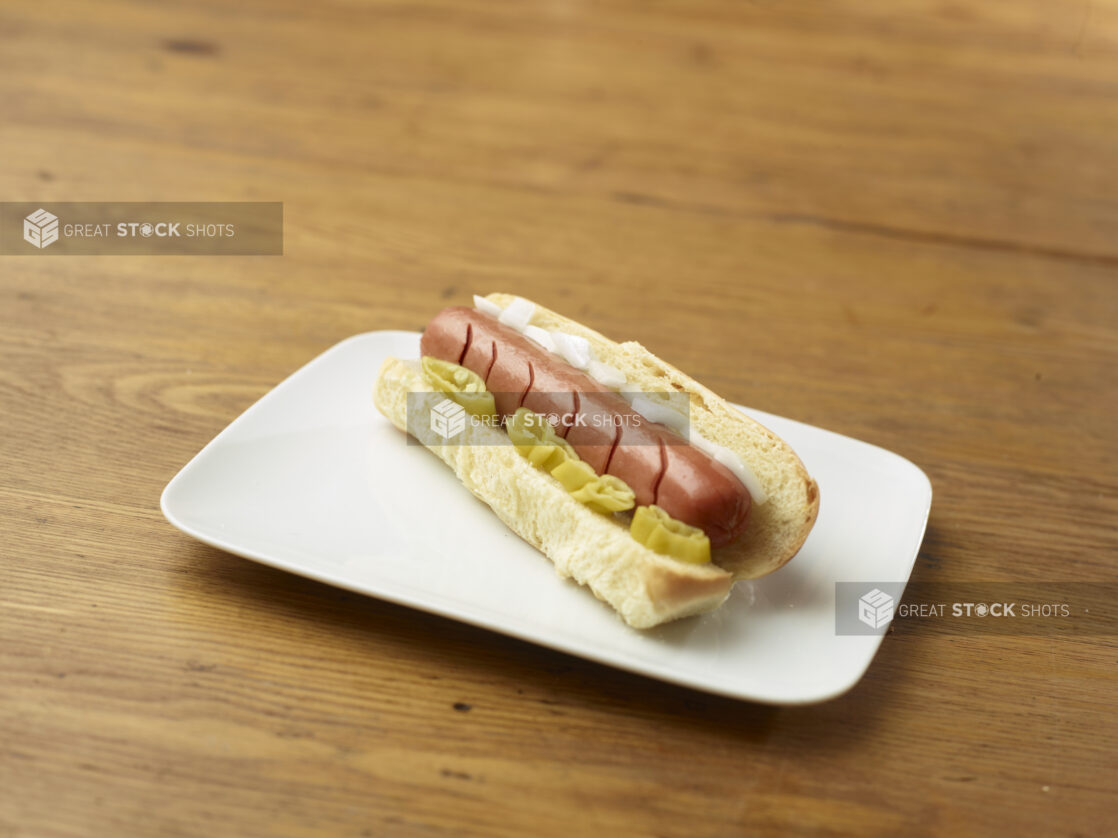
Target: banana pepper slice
[
  {"x": 463, "y": 386},
  {"x": 661, "y": 533},
  {"x": 574, "y": 474},
  {"x": 606, "y": 494},
  {"x": 535, "y": 438}
]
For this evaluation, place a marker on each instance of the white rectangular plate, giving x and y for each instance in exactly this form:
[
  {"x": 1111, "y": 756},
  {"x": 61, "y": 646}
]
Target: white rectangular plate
[{"x": 312, "y": 479}]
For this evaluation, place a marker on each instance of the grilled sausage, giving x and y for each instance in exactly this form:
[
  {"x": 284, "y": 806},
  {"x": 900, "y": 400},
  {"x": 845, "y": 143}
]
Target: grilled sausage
[{"x": 657, "y": 463}]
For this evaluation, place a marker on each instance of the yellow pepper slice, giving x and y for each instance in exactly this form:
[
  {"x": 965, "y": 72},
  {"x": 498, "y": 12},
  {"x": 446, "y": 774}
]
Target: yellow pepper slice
[
  {"x": 661, "y": 533},
  {"x": 535, "y": 438},
  {"x": 463, "y": 386},
  {"x": 573, "y": 474},
  {"x": 606, "y": 494}
]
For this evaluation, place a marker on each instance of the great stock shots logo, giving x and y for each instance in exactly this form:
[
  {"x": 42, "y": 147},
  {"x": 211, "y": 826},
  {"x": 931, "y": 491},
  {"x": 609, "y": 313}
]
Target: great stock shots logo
[
  {"x": 448, "y": 419},
  {"x": 866, "y": 607},
  {"x": 159, "y": 228},
  {"x": 440, "y": 418},
  {"x": 1053, "y": 608},
  {"x": 875, "y": 609},
  {"x": 40, "y": 228}
]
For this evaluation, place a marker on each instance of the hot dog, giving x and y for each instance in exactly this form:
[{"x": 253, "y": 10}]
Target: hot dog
[
  {"x": 658, "y": 464},
  {"x": 658, "y": 521}
]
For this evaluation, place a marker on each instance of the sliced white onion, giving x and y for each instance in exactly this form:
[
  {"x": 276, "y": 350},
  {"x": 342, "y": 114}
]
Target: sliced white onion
[
  {"x": 605, "y": 375},
  {"x": 486, "y": 306},
  {"x": 540, "y": 336},
  {"x": 518, "y": 313},
  {"x": 573, "y": 349},
  {"x": 655, "y": 410},
  {"x": 732, "y": 462},
  {"x": 631, "y": 391}
]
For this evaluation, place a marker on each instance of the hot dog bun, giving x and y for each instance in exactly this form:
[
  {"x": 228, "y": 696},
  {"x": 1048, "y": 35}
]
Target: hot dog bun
[
  {"x": 778, "y": 527},
  {"x": 645, "y": 588}
]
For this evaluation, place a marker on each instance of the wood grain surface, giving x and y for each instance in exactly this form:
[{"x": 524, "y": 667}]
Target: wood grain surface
[{"x": 892, "y": 218}]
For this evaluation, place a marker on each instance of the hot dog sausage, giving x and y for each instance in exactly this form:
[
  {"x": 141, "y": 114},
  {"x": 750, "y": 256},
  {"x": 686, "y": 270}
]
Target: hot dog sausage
[{"x": 657, "y": 464}]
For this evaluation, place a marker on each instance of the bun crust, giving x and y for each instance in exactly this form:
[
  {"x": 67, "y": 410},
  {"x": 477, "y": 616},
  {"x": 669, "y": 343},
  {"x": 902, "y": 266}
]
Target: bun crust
[{"x": 595, "y": 550}]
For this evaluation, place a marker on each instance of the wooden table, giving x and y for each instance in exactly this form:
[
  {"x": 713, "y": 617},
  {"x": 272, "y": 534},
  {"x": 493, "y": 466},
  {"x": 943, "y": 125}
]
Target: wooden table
[{"x": 893, "y": 219}]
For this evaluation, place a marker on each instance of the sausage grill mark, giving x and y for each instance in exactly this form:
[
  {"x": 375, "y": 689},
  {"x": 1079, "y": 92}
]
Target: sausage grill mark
[
  {"x": 469, "y": 340},
  {"x": 528, "y": 389},
  {"x": 563, "y": 429},
  {"x": 612, "y": 449},
  {"x": 660, "y": 476},
  {"x": 492, "y": 361}
]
